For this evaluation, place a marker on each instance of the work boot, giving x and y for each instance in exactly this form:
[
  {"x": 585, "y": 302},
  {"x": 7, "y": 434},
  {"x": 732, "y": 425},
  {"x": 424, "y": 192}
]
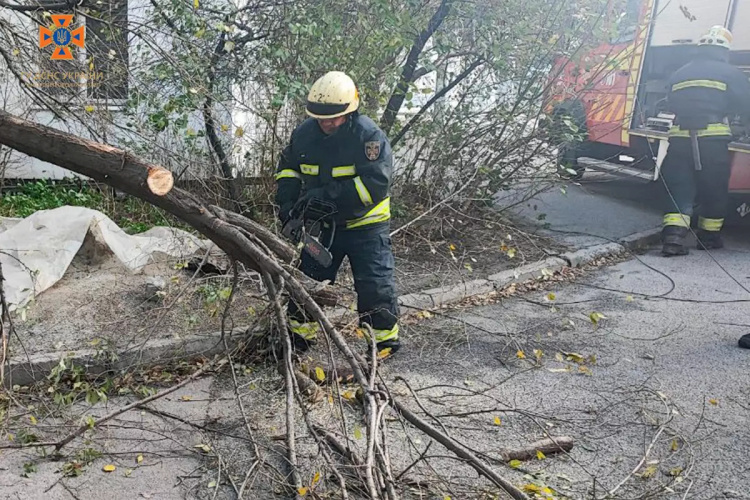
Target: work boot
[
  {"x": 745, "y": 341},
  {"x": 673, "y": 244},
  {"x": 709, "y": 240},
  {"x": 300, "y": 344},
  {"x": 386, "y": 349}
]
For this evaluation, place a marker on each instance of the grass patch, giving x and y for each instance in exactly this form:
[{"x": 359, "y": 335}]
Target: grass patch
[{"x": 131, "y": 214}]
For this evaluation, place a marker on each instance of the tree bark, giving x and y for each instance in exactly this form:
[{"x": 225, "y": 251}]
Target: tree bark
[
  {"x": 130, "y": 174},
  {"x": 409, "y": 71}
]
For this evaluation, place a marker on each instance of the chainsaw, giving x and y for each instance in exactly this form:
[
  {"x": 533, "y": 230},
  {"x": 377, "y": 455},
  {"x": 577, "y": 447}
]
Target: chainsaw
[{"x": 313, "y": 226}]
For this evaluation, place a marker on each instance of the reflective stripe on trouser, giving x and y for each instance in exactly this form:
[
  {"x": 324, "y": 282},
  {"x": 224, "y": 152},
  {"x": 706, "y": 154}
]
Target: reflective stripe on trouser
[
  {"x": 712, "y": 225},
  {"x": 371, "y": 259},
  {"x": 383, "y": 335},
  {"x": 308, "y": 331},
  {"x": 678, "y": 220},
  {"x": 707, "y": 188}
]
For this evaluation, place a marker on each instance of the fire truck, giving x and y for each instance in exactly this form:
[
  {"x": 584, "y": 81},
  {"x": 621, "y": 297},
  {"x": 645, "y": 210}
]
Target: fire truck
[{"x": 616, "y": 93}]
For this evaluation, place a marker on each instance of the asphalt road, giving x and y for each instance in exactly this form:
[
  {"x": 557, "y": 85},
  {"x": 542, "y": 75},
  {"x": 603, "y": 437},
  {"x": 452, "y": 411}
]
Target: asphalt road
[{"x": 602, "y": 207}]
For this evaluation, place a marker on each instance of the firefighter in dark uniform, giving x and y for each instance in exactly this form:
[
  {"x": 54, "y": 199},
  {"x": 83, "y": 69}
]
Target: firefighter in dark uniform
[
  {"x": 702, "y": 95},
  {"x": 342, "y": 157}
]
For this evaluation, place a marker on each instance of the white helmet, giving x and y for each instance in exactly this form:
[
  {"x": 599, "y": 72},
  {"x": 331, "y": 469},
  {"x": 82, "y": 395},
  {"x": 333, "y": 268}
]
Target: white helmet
[
  {"x": 718, "y": 36},
  {"x": 333, "y": 94}
]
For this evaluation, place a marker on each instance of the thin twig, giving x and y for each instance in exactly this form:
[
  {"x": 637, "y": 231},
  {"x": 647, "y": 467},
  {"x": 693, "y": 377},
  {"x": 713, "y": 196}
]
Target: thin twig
[
  {"x": 289, "y": 381},
  {"x": 60, "y": 444},
  {"x": 461, "y": 452}
]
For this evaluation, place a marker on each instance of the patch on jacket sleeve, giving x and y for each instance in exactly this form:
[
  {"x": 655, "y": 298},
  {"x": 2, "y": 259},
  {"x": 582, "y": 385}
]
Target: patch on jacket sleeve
[{"x": 372, "y": 150}]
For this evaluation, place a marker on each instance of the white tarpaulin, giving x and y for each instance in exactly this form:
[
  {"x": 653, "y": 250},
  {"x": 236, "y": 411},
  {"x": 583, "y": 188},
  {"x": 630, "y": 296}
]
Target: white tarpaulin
[{"x": 36, "y": 251}]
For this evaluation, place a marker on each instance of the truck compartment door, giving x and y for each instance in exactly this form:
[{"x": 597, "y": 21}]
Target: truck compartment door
[{"x": 685, "y": 21}]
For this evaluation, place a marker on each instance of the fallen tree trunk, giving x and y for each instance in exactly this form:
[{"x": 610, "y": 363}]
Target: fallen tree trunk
[
  {"x": 255, "y": 246},
  {"x": 151, "y": 183}
]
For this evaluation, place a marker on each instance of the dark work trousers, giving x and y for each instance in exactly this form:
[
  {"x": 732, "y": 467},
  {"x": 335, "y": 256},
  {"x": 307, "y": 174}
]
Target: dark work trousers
[
  {"x": 708, "y": 188},
  {"x": 371, "y": 258}
]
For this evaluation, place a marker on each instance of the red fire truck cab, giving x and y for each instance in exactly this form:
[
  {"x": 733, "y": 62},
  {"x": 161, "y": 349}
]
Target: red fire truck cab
[{"x": 619, "y": 106}]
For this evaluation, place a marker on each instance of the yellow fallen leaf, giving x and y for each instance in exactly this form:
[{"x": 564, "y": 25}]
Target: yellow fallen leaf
[
  {"x": 511, "y": 252},
  {"x": 520, "y": 354},
  {"x": 452, "y": 247},
  {"x": 139, "y": 458},
  {"x": 674, "y": 445},
  {"x": 196, "y": 3},
  {"x": 187, "y": 398},
  {"x": 32, "y": 419},
  {"x": 212, "y": 484},
  {"x": 109, "y": 468},
  {"x": 559, "y": 357},
  {"x": 239, "y": 132},
  {"x": 595, "y": 317},
  {"x": 575, "y": 357},
  {"x": 551, "y": 296},
  {"x": 128, "y": 472},
  {"x": 531, "y": 488},
  {"x": 538, "y": 354},
  {"x": 559, "y": 370},
  {"x": 348, "y": 395},
  {"x": 515, "y": 464},
  {"x": 204, "y": 447},
  {"x": 384, "y": 353},
  {"x": 357, "y": 432},
  {"x": 629, "y": 298},
  {"x": 316, "y": 478},
  {"x": 675, "y": 472},
  {"x": 540, "y": 455},
  {"x": 320, "y": 374},
  {"x": 649, "y": 472},
  {"x": 89, "y": 108},
  {"x": 713, "y": 402},
  {"x": 224, "y": 127},
  {"x": 498, "y": 421},
  {"x": 302, "y": 491}
]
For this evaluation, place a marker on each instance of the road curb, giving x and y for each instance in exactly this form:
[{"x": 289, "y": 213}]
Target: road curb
[{"x": 22, "y": 371}]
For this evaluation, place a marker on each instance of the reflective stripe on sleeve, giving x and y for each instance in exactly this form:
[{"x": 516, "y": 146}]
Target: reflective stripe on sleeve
[
  {"x": 713, "y": 130},
  {"x": 288, "y": 174}
]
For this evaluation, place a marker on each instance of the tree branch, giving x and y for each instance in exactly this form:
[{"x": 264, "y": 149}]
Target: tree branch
[
  {"x": 465, "y": 73},
  {"x": 410, "y": 66}
]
